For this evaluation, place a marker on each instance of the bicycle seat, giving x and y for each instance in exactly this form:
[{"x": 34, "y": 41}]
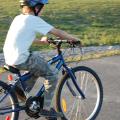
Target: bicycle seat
[{"x": 12, "y": 69}]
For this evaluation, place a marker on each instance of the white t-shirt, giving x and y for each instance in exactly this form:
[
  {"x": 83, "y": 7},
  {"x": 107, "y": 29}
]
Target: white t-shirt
[{"x": 21, "y": 34}]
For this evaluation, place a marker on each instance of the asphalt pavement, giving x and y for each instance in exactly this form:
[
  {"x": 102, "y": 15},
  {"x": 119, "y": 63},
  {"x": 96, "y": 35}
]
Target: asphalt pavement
[{"x": 108, "y": 69}]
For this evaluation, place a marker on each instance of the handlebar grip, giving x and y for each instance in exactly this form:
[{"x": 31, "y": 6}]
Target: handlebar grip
[{"x": 51, "y": 40}]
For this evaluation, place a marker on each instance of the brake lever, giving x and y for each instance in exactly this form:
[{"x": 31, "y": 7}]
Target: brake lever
[{"x": 77, "y": 44}]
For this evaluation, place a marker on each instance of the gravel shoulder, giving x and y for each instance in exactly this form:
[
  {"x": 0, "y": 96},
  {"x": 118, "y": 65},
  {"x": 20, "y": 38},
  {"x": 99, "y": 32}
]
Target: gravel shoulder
[{"x": 87, "y": 51}]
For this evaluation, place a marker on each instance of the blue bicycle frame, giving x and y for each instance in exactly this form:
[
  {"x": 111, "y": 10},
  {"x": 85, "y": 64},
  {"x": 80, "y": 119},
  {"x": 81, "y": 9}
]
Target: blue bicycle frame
[{"x": 60, "y": 63}]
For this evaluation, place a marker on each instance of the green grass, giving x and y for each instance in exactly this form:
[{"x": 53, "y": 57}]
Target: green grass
[{"x": 95, "y": 22}]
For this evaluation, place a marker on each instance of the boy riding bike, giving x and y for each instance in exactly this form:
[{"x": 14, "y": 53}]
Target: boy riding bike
[{"x": 21, "y": 35}]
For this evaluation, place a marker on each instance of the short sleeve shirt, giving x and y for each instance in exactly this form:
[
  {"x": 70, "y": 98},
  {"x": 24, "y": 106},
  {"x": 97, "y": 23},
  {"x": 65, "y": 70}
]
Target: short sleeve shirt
[{"x": 20, "y": 37}]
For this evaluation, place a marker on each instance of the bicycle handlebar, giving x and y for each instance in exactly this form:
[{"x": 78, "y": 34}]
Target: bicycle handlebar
[{"x": 59, "y": 42}]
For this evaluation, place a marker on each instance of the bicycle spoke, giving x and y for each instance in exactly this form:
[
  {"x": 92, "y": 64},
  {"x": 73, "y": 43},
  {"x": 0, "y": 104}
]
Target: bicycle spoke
[
  {"x": 77, "y": 108},
  {"x": 71, "y": 110},
  {"x": 85, "y": 110},
  {"x": 1, "y": 90},
  {"x": 86, "y": 84},
  {"x": 7, "y": 103},
  {"x": 77, "y": 111}
]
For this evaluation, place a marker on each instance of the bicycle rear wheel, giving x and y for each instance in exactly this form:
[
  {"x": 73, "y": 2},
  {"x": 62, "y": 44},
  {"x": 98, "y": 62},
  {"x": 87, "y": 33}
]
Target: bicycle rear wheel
[
  {"x": 72, "y": 106},
  {"x": 9, "y": 103}
]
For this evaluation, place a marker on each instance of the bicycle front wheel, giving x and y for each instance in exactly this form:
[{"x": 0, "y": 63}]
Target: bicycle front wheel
[
  {"x": 8, "y": 102},
  {"x": 72, "y": 105}
]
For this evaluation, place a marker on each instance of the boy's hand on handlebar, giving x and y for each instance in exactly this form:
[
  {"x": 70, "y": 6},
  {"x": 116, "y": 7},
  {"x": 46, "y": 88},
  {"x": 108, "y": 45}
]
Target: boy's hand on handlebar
[{"x": 44, "y": 40}]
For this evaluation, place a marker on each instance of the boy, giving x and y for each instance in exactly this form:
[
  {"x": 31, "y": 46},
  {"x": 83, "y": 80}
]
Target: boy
[{"x": 20, "y": 37}]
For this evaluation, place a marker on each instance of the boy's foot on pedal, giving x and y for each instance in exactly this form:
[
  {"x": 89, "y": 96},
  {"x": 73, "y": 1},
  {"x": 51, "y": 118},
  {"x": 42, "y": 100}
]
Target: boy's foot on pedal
[
  {"x": 52, "y": 118},
  {"x": 50, "y": 114},
  {"x": 20, "y": 94}
]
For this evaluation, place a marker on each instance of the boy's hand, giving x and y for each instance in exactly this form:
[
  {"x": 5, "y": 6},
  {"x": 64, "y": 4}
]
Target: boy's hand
[
  {"x": 63, "y": 35},
  {"x": 44, "y": 40}
]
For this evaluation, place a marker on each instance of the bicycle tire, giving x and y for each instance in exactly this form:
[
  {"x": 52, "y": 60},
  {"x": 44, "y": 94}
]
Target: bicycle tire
[
  {"x": 13, "y": 99},
  {"x": 59, "y": 91}
]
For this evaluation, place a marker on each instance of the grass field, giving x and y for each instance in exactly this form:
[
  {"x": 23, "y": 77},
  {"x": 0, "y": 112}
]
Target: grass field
[{"x": 95, "y": 22}]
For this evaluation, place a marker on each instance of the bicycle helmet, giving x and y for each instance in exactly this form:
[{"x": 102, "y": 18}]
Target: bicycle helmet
[{"x": 34, "y": 3}]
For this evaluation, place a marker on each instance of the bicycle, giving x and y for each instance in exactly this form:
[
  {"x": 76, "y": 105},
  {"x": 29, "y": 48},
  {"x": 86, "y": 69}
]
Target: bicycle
[{"x": 79, "y": 95}]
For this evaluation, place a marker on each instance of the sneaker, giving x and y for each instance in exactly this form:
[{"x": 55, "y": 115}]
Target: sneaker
[
  {"x": 49, "y": 114},
  {"x": 20, "y": 94},
  {"x": 52, "y": 110},
  {"x": 51, "y": 118}
]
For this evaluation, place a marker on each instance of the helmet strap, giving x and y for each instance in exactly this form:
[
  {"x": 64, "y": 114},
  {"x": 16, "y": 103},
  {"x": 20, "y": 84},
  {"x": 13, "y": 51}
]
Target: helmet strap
[
  {"x": 36, "y": 12},
  {"x": 37, "y": 9}
]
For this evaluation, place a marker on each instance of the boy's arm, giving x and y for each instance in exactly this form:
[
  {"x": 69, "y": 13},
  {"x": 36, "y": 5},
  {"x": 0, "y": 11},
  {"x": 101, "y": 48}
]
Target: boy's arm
[
  {"x": 58, "y": 33},
  {"x": 63, "y": 35}
]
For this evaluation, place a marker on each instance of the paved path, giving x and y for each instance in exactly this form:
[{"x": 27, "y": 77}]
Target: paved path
[{"x": 109, "y": 71}]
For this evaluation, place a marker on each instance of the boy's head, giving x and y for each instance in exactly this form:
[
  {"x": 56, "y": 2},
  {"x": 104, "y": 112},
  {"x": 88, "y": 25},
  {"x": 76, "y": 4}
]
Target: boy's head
[{"x": 33, "y": 5}]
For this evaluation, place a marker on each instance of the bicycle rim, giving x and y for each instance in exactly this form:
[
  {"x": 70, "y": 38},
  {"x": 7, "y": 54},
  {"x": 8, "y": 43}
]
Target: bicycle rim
[
  {"x": 75, "y": 108},
  {"x": 9, "y": 103}
]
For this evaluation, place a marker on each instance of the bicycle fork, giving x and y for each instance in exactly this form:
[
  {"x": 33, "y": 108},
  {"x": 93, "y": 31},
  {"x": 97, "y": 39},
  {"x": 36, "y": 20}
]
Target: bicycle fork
[{"x": 73, "y": 77}]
